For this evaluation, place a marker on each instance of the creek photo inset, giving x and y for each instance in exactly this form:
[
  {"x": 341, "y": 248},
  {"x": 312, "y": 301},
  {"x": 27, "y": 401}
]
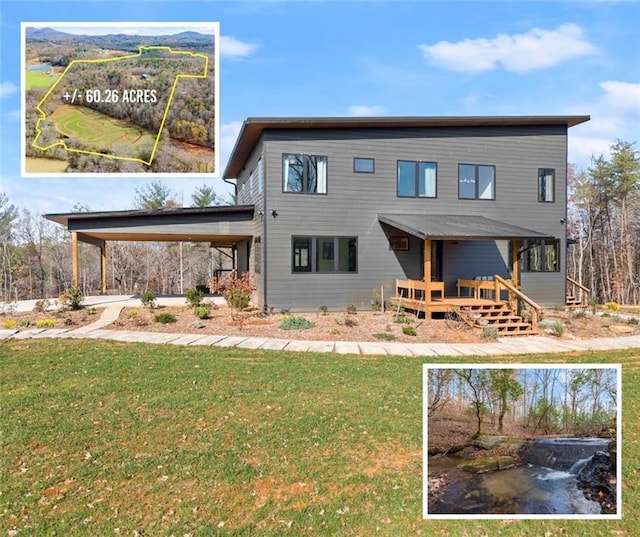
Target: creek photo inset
[{"x": 522, "y": 441}]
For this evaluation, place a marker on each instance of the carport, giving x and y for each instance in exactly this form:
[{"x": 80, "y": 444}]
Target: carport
[{"x": 224, "y": 226}]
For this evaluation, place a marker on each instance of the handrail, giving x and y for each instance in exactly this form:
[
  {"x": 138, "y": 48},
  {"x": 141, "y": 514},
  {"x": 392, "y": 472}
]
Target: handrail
[
  {"x": 535, "y": 308},
  {"x": 584, "y": 291}
]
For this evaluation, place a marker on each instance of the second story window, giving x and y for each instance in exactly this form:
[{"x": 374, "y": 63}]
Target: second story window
[
  {"x": 546, "y": 184},
  {"x": 416, "y": 179},
  {"x": 476, "y": 182},
  {"x": 304, "y": 174}
]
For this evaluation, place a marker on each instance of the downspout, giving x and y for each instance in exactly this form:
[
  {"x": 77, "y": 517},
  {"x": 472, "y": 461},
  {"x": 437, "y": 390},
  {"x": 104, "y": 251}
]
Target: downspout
[{"x": 235, "y": 190}]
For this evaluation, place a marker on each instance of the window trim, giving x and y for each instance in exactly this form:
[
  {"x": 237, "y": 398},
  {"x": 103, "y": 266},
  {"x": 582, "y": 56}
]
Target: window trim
[
  {"x": 373, "y": 165},
  {"x": 416, "y": 184},
  {"x": 315, "y": 255},
  {"x": 305, "y": 174},
  {"x": 541, "y": 175},
  {"x": 477, "y": 181}
]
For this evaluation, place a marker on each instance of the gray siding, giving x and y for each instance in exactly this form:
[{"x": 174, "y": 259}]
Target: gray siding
[{"x": 353, "y": 201}]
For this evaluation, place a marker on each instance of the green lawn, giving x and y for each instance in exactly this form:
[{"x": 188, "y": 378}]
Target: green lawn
[
  {"x": 39, "y": 79},
  {"x": 103, "y": 438}
]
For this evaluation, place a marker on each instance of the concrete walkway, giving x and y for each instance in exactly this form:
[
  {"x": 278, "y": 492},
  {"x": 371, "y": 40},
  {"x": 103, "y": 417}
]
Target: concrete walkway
[{"x": 503, "y": 346}]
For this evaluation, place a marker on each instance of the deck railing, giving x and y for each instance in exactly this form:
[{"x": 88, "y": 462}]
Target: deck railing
[
  {"x": 582, "y": 294},
  {"x": 517, "y": 297}
]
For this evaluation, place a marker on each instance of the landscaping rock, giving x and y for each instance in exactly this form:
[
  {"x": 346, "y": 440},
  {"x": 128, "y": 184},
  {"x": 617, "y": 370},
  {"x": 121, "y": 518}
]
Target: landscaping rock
[
  {"x": 197, "y": 324},
  {"x": 488, "y": 464}
]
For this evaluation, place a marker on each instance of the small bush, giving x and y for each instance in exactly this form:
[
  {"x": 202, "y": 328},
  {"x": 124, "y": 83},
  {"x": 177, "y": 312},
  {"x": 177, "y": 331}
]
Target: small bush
[
  {"x": 46, "y": 323},
  {"x": 490, "y": 332},
  {"x": 557, "y": 328},
  {"x": 323, "y": 310},
  {"x": 148, "y": 299},
  {"x": 193, "y": 297},
  {"x": 401, "y": 318},
  {"x": 409, "y": 330},
  {"x": 165, "y": 318},
  {"x": 296, "y": 322},
  {"x": 375, "y": 305},
  {"x": 132, "y": 314},
  {"x": 613, "y": 306},
  {"x": 42, "y": 305},
  {"x": 384, "y": 336},
  {"x": 25, "y": 323},
  {"x": 202, "y": 312},
  {"x": 236, "y": 290},
  {"x": 351, "y": 309},
  {"x": 91, "y": 311},
  {"x": 350, "y": 322},
  {"x": 9, "y": 323},
  {"x": 72, "y": 298},
  {"x": 633, "y": 320}
]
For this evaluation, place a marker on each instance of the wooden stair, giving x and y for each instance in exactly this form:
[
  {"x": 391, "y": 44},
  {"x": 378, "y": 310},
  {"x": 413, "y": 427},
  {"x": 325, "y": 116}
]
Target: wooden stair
[
  {"x": 572, "y": 301},
  {"x": 497, "y": 315}
]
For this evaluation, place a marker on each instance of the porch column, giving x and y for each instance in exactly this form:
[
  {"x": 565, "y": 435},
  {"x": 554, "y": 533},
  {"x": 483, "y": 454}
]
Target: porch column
[
  {"x": 75, "y": 274},
  {"x": 427, "y": 269},
  {"x": 515, "y": 263},
  {"x": 103, "y": 267}
]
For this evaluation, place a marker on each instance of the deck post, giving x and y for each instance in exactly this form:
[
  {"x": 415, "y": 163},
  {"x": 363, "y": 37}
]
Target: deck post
[
  {"x": 427, "y": 276},
  {"x": 75, "y": 275},
  {"x": 515, "y": 263}
]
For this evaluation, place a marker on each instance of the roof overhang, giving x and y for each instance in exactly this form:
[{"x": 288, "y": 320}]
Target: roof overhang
[
  {"x": 224, "y": 225},
  {"x": 457, "y": 227},
  {"x": 252, "y": 128}
]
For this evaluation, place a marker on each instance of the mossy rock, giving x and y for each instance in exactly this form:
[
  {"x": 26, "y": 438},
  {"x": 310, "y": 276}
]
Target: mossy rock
[
  {"x": 486, "y": 441},
  {"x": 488, "y": 464}
]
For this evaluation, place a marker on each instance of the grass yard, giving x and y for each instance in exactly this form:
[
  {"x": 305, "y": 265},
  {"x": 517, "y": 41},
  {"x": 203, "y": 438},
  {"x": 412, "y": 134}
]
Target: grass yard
[
  {"x": 39, "y": 79},
  {"x": 101, "y": 132},
  {"x": 105, "y": 438}
]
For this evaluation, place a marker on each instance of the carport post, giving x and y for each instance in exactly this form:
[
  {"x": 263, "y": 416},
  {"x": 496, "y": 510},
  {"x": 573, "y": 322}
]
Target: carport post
[
  {"x": 75, "y": 275},
  {"x": 103, "y": 267}
]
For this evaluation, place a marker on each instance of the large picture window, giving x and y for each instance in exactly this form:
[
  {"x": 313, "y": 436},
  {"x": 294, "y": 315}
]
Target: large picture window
[
  {"x": 546, "y": 184},
  {"x": 304, "y": 174},
  {"x": 325, "y": 254},
  {"x": 476, "y": 182},
  {"x": 541, "y": 256},
  {"x": 417, "y": 179}
]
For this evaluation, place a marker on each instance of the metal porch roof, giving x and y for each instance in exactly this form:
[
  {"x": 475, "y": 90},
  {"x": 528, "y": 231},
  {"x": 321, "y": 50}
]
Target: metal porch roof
[{"x": 457, "y": 227}]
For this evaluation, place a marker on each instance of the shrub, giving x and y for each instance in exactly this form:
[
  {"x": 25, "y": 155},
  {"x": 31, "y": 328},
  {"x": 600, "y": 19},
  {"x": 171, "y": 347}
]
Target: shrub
[
  {"x": 42, "y": 305},
  {"x": 557, "y": 328},
  {"x": 91, "y": 311},
  {"x": 323, "y": 310},
  {"x": 25, "y": 323},
  {"x": 409, "y": 330},
  {"x": 72, "y": 298},
  {"x": 351, "y": 309},
  {"x": 236, "y": 290},
  {"x": 193, "y": 297},
  {"x": 401, "y": 318},
  {"x": 350, "y": 322},
  {"x": 46, "y": 323},
  {"x": 490, "y": 332},
  {"x": 165, "y": 318},
  {"x": 384, "y": 336},
  {"x": 148, "y": 299},
  {"x": 613, "y": 306},
  {"x": 296, "y": 322},
  {"x": 633, "y": 320},
  {"x": 202, "y": 312},
  {"x": 9, "y": 323},
  {"x": 132, "y": 314}
]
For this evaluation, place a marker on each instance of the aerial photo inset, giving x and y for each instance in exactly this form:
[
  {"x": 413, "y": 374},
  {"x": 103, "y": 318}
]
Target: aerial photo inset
[{"x": 129, "y": 99}]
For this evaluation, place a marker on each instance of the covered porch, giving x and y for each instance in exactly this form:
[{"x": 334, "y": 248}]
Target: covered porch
[{"x": 478, "y": 295}]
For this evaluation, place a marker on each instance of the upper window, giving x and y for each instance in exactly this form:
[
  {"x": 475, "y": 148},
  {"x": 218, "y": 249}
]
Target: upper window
[
  {"x": 304, "y": 173},
  {"x": 416, "y": 179},
  {"x": 476, "y": 182},
  {"x": 363, "y": 165},
  {"x": 546, "y": 184}
]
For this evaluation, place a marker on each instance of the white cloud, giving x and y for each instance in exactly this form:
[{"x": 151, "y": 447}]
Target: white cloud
[
  {"x": 581, "y": 149},
  {"x": 7, "y": 88},
  {"x": 234, "y": 48},
  {"x": 366, "y": 110},
  {"x": 535, "y": 49},
  {"x": 623, "y": 96}
]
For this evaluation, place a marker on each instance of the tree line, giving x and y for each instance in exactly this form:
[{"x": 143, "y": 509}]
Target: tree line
[{"x": 546, "y": 401}]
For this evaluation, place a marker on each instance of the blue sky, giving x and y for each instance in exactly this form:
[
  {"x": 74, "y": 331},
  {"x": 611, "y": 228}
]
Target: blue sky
[{"x": 337, "y": 58}]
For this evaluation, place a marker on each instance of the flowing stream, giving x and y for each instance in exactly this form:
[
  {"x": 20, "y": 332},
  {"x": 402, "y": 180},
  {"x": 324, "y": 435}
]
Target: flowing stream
[{"x": 528, "y": 489}]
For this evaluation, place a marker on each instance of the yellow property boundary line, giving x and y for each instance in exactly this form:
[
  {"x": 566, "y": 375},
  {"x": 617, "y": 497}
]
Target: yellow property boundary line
[{"x": 141, "y": 49}]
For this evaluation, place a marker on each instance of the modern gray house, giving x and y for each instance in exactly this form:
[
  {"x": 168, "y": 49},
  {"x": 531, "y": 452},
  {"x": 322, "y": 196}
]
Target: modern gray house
[
  {"x": 347, "y": 206},
  {"x": 339, "y": 211}
]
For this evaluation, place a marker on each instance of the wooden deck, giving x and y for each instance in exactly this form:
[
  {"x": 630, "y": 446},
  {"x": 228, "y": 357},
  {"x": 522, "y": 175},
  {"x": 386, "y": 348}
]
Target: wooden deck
[{"x": 441, "y": 305}]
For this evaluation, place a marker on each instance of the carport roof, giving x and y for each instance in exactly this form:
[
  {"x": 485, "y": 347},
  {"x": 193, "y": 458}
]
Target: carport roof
[{"x": 457, "y": 227}]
